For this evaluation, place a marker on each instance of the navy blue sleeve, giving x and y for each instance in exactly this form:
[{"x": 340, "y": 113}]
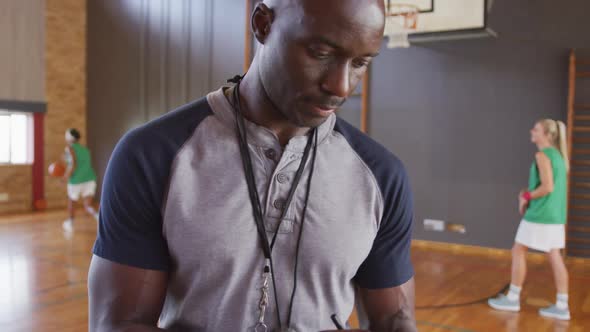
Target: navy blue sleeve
[
  {"x": 130, "y": 226},
  {"x": 135, "y": 186},
  {"x": 389, "y": 262}
]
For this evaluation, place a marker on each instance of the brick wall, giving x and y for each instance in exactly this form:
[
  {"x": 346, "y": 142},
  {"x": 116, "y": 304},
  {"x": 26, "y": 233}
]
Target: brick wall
[
  {"x": 65, "y": 85},
  {"x": 15, "y": 180}
]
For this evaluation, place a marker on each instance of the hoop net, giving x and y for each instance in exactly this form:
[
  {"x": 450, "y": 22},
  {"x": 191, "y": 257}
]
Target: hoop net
[{"x": 401, "y": 20}]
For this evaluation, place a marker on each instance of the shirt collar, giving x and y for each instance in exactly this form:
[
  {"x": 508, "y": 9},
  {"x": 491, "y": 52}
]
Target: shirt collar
[{"x": 261, "y": 136}]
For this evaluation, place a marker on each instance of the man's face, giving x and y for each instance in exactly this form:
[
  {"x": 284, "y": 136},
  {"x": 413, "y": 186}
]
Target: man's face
[{"x": 316, "y": 54}]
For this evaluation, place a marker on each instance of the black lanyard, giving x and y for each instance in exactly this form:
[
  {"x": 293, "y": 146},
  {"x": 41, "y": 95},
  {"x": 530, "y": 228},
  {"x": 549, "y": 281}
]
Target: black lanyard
[{"x": 255, "y": 199}]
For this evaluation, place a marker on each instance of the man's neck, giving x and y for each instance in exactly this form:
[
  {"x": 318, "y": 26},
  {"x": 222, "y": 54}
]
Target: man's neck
[{"x": 258, "y": 108}]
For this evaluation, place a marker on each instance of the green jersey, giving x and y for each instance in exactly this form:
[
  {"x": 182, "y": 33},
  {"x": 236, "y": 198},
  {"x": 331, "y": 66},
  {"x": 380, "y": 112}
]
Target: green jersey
[
  {"x": 549, "y": 209},
  {"x": 83, "y": 172}
]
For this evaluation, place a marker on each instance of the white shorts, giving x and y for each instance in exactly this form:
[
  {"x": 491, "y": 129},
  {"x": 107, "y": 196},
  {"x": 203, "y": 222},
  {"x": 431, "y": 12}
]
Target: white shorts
[
  {"x": 542, "y": 237},
  {"x": 84, "y": 189}
]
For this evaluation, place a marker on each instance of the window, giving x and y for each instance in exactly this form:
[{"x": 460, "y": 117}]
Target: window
[{"x": 16, "y": 138}]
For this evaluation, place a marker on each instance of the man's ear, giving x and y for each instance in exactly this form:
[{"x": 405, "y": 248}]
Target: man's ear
[{"x": 262, "y": 18}]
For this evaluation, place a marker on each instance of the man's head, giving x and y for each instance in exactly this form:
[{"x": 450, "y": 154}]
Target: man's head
[
  {"x": 72, "y": 135},
  {"x": 314, "y": 53}
]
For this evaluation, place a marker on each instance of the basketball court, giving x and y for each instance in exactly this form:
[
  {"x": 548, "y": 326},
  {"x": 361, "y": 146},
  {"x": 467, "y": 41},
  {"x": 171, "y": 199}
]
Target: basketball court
[
  {"x": 44, "y": 283},
  {"x": 454, "y": 93}
]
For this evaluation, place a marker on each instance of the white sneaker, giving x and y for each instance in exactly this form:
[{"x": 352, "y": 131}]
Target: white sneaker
[
  {"x": 503, "y": 303},
  {"x": 68, "y": 225},
  {"x": 554, "y": 312}
]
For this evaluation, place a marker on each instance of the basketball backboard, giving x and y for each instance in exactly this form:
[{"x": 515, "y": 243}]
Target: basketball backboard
[{"x": 447, "y": 19}]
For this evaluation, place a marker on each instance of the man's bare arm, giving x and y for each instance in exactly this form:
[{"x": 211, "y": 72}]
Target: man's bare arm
[
  {"x": 123, "y": 298},
  {"x": 390, "y": 309}
]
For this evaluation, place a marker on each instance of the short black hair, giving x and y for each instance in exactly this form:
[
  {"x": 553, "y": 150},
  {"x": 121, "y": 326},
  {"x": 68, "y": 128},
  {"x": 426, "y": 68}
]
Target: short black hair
[{"x": 75, "y": 133}]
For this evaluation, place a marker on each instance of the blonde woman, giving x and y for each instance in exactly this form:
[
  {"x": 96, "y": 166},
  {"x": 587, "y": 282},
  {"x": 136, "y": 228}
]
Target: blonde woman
[{"x": 543, "y": 226}]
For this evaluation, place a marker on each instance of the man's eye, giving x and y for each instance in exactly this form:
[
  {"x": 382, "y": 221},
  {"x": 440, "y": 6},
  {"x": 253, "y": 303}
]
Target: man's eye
[
  {"x": 319, "y": 54},
  {"x": 360, "y": 63}
]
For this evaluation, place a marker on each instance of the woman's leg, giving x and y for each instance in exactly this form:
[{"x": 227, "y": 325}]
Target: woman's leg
[
  {"x": 511, "y": 301},
  {"x": 89, "y": 207},
  {"x": 518, "y": 264},
  {"x": 71, "y": 208},
  {"x": 559, "y": 271},
  {"x": 68, "y": 225},
  {"x": 561, "y": 308}
]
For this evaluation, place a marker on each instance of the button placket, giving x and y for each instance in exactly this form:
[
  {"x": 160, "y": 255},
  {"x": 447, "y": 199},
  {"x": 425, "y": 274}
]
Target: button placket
[
  {"x": 271, "y": 157},
  {"x": 278, "y": 189},
  {"x": 269, "y": 163},
  {"x": 264, "y": 171}
]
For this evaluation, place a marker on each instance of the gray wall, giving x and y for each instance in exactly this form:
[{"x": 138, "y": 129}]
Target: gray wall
[
  {"x": 547, "y": 22},
  {"x": 146, "y": 57},
  {"x": 22, "y": 55}
]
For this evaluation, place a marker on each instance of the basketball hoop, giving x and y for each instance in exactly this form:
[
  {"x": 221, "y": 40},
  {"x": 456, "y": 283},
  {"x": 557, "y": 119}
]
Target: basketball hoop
[{"x": 400, "y": 20}]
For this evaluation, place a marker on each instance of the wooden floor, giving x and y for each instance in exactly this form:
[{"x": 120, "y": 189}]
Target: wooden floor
[{"x": 43, "y": 283}]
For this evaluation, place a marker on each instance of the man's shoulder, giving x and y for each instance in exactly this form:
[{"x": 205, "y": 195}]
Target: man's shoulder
[
  {"x": 176, "y": 124},
  {"x": 152, "y": 147},
  {"x": 169, "y": 131},
  {"x": 382, "y": 162}
]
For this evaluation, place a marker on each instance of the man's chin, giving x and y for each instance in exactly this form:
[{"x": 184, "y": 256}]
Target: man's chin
[{"x": 313, "y": 122}]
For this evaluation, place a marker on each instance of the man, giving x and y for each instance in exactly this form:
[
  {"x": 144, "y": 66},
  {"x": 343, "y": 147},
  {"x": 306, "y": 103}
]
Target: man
[
  {"x": 256, "y": 209},
  {"x": 80, "y": 176}
]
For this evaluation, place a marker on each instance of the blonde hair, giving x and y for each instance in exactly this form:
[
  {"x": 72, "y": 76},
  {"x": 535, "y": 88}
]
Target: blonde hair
[{"x": 556, "y": 131}]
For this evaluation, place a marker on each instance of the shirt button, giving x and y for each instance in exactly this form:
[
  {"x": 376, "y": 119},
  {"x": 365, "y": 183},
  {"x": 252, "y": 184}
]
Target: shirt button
[
  {"x": 270, "y": 154},
  {"x": 282, "y": 178},
  {"x": 279, "y": 204}
]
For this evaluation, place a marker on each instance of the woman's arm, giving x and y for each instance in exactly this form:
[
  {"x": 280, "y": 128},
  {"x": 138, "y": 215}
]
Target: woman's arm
[
  {"x": 546, "y": 173},
  {"x": 546, "y": 187},
  {"x": 72, "y": 166}
]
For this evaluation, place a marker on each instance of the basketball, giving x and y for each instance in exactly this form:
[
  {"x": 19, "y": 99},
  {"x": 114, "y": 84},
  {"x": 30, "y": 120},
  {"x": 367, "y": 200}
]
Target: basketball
[{"x": 56, "y": 169}]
